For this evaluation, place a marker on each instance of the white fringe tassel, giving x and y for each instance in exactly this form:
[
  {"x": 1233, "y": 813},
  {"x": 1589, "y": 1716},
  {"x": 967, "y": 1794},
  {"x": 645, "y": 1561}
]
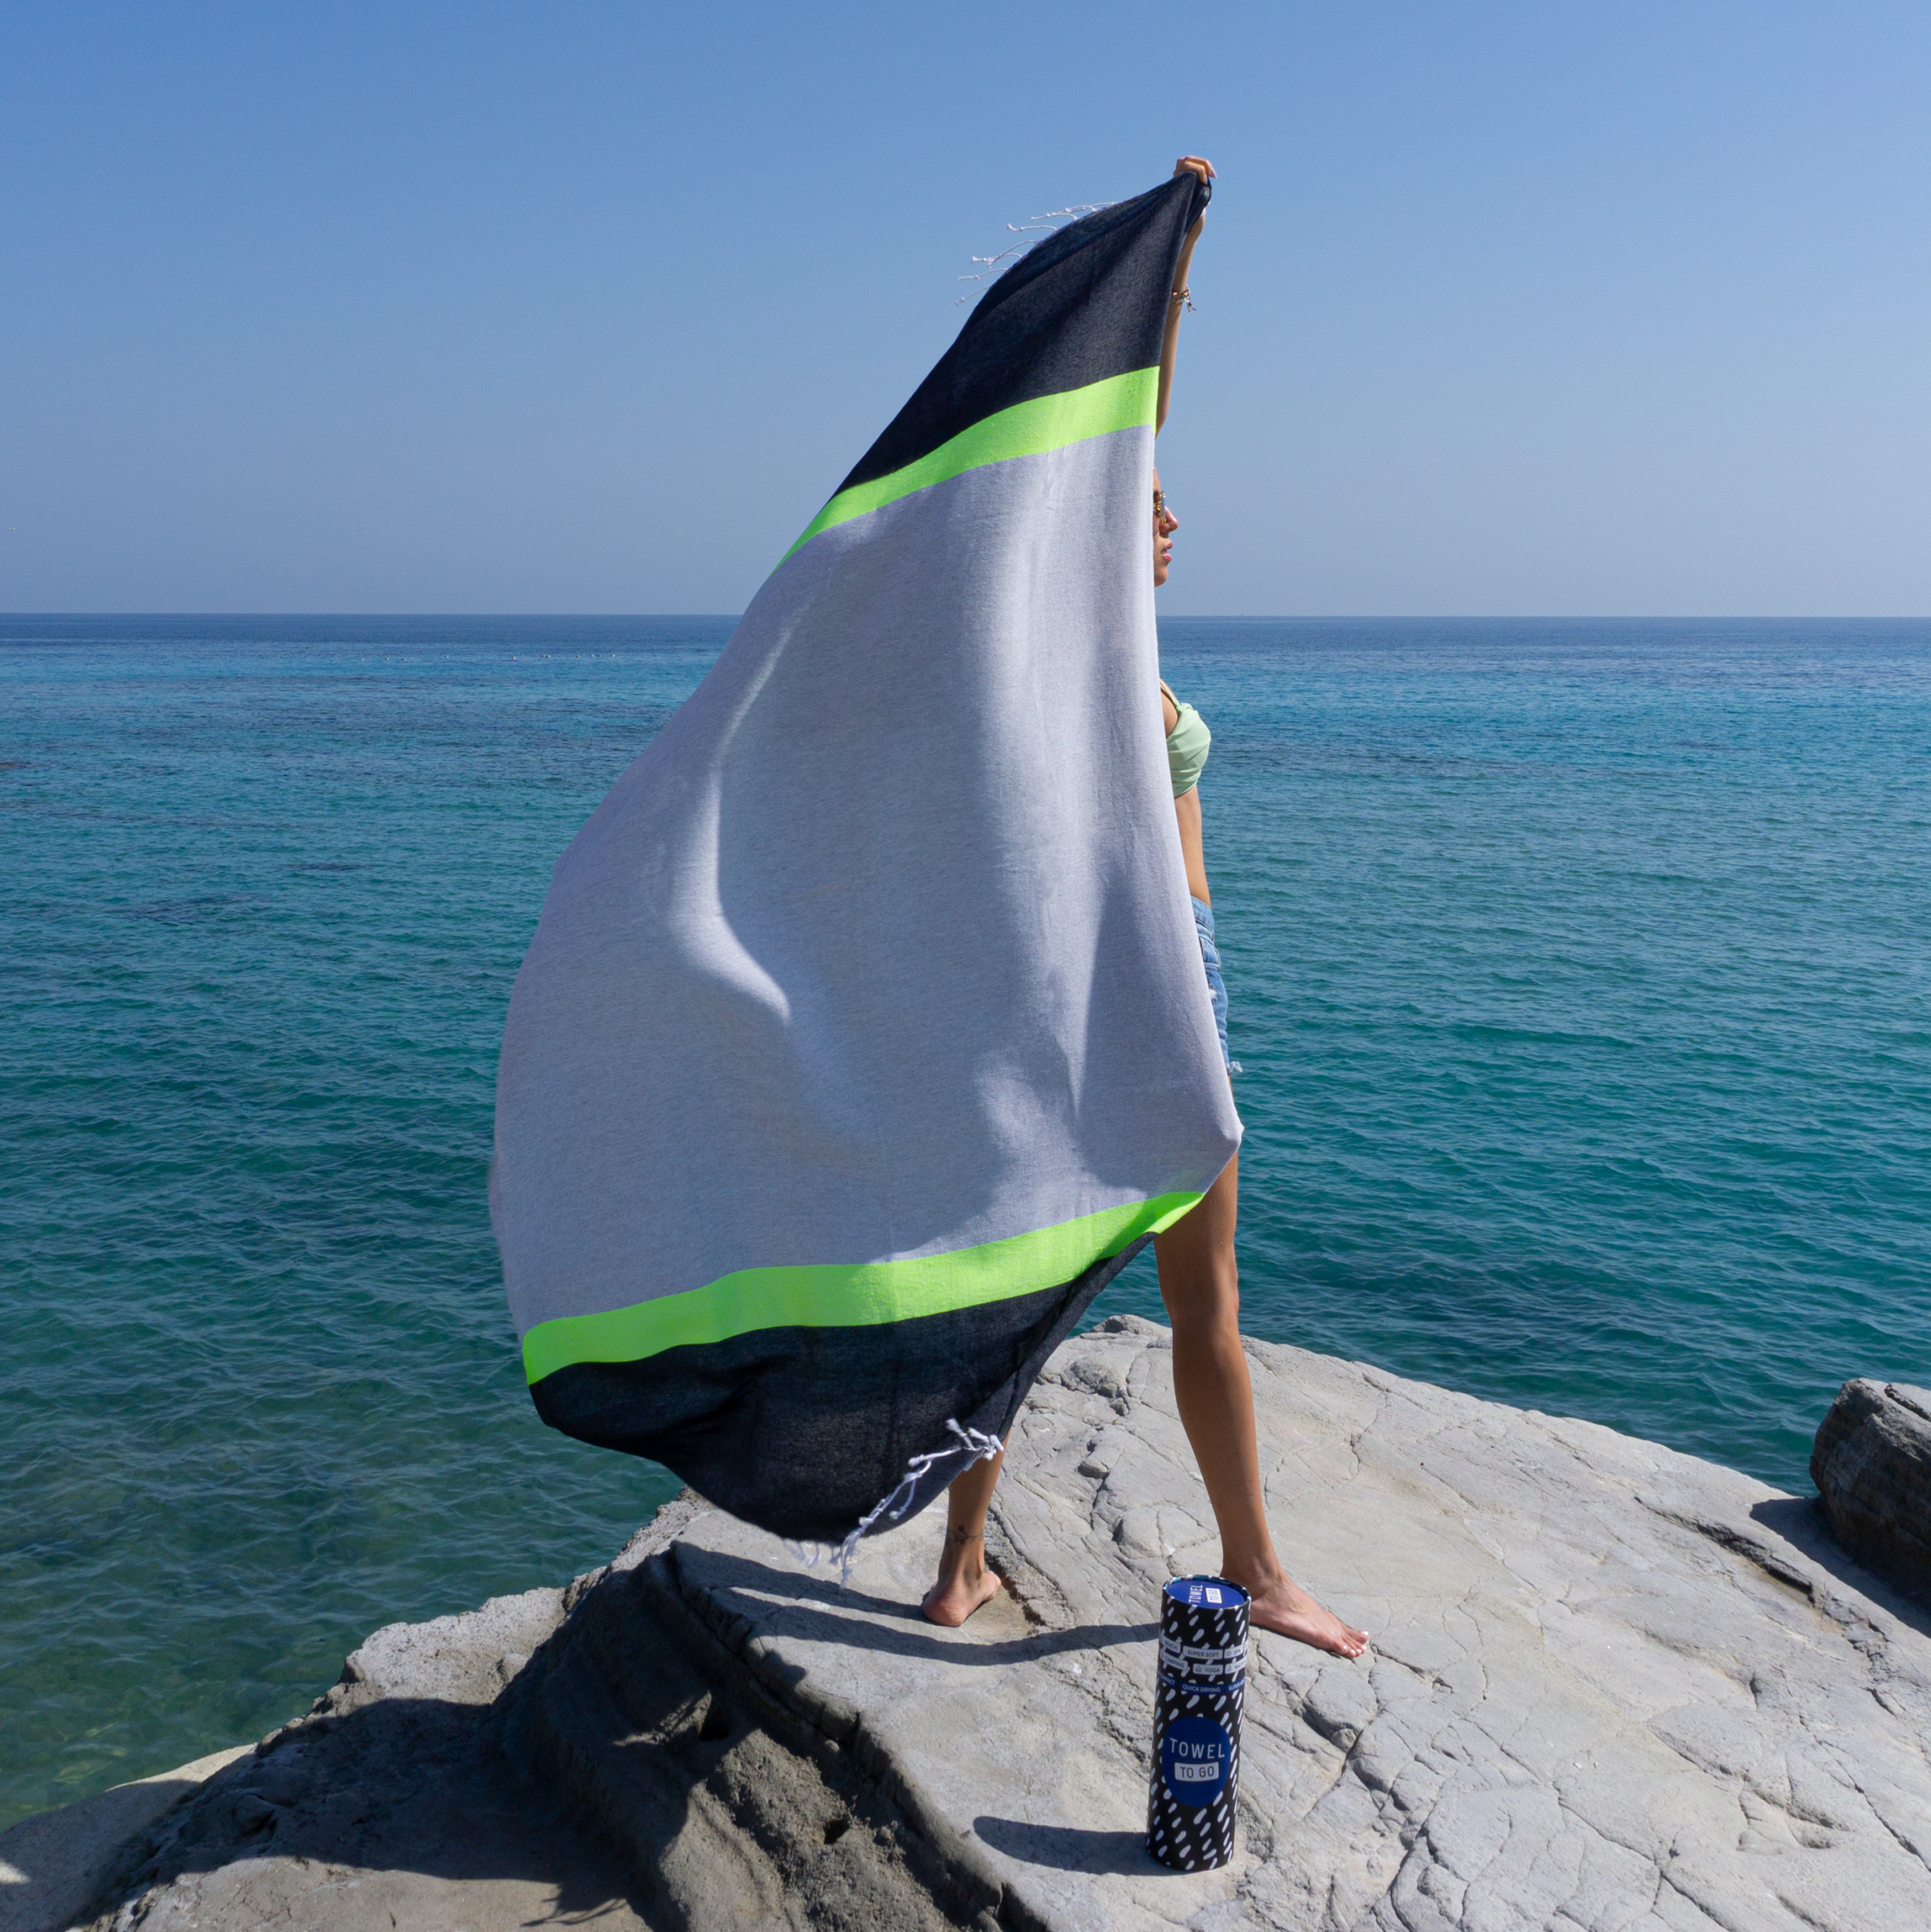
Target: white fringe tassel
[
  {"x": 1038, "y": 226},
  {"x": 974, "y": 1445}
]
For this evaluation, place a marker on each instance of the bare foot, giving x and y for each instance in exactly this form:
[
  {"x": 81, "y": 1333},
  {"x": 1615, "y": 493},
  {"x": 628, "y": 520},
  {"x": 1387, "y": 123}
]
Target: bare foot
[
  {"x": 952, "y": 1599},
  {"x": 1283, "y": 1607}
]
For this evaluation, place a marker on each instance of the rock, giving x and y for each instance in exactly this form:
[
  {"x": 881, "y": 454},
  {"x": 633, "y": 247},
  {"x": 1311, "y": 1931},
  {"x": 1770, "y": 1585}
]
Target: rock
[
  {"x": 1611, "y": 1687},
  {"x": 1871, "y": 1464},
  {"x": 390, "y": 1804},
  {"x": 519, "y": 1765},
  {"x": 53, "y": 1866}
]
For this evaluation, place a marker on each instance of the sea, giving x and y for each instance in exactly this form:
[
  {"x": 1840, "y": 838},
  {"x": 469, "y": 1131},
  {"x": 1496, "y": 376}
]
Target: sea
[{"x": 1579, "y": 974}]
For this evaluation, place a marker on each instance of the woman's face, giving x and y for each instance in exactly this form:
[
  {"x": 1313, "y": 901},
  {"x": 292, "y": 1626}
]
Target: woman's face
[{"x": 1164, "y": 524}]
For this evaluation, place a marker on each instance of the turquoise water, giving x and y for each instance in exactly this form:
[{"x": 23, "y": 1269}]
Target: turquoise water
[{"x": 1578, "y": 971}]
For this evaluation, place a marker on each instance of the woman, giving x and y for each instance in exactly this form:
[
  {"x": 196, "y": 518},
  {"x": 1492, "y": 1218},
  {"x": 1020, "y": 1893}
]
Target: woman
[{"x": 1198, "y": 1281}]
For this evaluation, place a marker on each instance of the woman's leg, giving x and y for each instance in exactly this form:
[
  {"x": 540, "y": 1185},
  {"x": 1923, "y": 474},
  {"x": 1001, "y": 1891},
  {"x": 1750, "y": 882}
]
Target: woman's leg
[
  {"x": 964, "y": 1582},
  {"x": 1201, "y": 1286}
]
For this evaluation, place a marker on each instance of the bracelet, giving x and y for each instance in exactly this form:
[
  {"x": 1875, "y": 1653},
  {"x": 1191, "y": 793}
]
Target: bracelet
[{"x": 1185, "y": 295}]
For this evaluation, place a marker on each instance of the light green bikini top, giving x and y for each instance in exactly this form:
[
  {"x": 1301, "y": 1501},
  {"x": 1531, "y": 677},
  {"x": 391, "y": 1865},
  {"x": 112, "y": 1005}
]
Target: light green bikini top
[{"x": 1187, "y": 745}]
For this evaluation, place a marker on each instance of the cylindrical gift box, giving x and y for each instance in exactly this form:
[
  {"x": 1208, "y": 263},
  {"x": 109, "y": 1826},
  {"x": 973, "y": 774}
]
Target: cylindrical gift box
[{"x": 1196, "y": 1723}]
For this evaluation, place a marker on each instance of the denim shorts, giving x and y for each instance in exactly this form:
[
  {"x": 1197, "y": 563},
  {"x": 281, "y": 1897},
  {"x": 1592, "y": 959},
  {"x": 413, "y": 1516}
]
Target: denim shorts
[{"x": 1216, "y": 986}]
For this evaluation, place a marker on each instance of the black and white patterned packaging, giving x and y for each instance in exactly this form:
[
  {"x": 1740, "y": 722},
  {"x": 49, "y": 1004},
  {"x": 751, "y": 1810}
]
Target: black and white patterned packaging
[{"x": 1196, "y": 1723}]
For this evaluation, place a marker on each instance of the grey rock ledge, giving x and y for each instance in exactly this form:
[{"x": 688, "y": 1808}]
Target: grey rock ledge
[{"x": 1611, "y": 1687}]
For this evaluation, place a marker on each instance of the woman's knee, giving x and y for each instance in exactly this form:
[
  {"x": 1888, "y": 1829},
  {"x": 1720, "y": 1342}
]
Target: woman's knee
[{"x": 1201, "y": 1300}]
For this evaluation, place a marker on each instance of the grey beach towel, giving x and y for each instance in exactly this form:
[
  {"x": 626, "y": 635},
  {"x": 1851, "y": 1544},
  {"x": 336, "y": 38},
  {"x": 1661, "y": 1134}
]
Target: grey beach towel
[{"x": 864, "y": 1037}]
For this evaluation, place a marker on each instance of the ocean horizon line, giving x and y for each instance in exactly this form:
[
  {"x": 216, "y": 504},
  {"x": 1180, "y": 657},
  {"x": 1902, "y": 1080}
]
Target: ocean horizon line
[{"x": 1204, "y": 617}]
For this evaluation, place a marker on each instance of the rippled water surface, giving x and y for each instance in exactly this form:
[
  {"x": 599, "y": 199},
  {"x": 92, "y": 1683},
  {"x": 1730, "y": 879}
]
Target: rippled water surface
[{"x": 1578, "y": 972}]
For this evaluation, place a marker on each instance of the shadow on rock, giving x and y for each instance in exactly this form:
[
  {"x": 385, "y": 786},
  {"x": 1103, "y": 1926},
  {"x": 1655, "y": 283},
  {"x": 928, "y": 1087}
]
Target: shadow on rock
[
  {"x": 1801, "y": 1523},
  {"x": 1070, "y": 1848},
  {"x": 820, "y": 1611},
  {"x": 403, "y": 1785}
]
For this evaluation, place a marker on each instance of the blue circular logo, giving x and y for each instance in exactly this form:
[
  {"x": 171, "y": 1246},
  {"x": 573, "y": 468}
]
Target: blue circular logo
[{"x": 1195, "y": 1756}]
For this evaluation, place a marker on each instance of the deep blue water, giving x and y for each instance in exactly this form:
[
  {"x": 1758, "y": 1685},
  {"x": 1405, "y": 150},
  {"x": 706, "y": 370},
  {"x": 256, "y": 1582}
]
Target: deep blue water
[{"x": 1579, "y": 973}]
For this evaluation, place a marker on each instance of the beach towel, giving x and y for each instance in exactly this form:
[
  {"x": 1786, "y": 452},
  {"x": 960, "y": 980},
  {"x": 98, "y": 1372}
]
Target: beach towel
[{"x": 864, "y": 1037}]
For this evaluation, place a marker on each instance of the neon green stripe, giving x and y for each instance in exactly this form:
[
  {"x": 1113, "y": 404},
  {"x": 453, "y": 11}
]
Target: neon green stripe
[
  {"x": 864, "y": 1295},
  {"x": 1026, "y": 429}
]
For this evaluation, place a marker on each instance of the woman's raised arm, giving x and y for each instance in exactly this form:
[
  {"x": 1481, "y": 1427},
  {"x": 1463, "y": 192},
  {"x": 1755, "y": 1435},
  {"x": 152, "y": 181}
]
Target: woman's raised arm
[{"x": 1170, "y": 343}]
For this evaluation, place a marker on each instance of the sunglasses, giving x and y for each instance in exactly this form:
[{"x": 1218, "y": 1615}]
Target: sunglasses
[{"x": 1159, "y": 503}]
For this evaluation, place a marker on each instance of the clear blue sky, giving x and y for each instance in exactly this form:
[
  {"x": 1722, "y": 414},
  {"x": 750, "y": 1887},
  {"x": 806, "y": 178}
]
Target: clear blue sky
[{"x": 577, "y": 307}]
